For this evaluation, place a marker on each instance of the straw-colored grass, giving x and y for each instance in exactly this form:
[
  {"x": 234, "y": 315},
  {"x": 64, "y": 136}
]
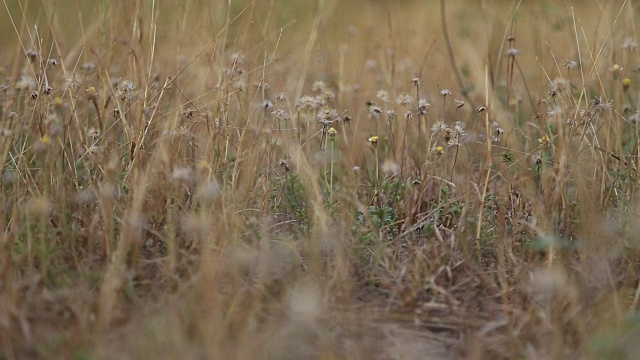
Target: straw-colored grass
[{"x": 319, "y": 179}]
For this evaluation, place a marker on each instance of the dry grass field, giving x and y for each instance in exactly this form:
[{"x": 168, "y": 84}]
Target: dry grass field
[{"x": 326, "y": 179}]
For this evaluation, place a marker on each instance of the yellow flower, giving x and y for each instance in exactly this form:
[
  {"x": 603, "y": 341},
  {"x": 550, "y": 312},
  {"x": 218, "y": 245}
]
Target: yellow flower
[
  {"x": 46, "y": 140},
  {"x": 92, "y": 93},
  {"x": 626, "y": 83},
  {"x": 57, "y": 102},
  {"x": 544, "y": 140},
  {"x": 332, "y": 132},
  {"x": 439, "y": 150},
  {"x": 203, "y": 165},
  {"x": 374, "y": 139}
]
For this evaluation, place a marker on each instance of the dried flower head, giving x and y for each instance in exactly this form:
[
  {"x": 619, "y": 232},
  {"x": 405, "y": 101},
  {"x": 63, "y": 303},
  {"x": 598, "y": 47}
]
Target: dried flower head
[
  {"x": 93, "y": 133},
  {"x": 318, "y": 86},
  {"x": 374, "y": 140},
  {"x": 458, "y": 130},
  {"x": 571, "y": 64},
  {"x": 423, "y": 106},
  {"x": 237, "y": 58},
  {"x": 181, "y": 174},
  {"x": 375, "y": 110},
  {"x": 391, "y": 115},
  {"x": 630, "y": 44},
  {"x": 459, "y": 103},
  {"x": 404, "y": 100},
  {"x": 439, "y": 128},
  {"x": 615, "y": 71},
  {"x": 327, "y": 116},
  {"x": 382, "y": 95},
  {"x": 599, "y": 105},
  {"x": 280, "y": 114},
  {"x": 445, "y": 92},
  {"x": 32, "y": 55},
  {"x": 284, "y": 164},
  {"x": 27, "y": 82},
  {"x": 307, "y": 103},
  {"x": 497, "y": 132}
]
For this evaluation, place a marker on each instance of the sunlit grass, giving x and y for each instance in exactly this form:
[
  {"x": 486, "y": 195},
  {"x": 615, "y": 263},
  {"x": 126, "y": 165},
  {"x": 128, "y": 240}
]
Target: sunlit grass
[{"x": 330, "y": 179}]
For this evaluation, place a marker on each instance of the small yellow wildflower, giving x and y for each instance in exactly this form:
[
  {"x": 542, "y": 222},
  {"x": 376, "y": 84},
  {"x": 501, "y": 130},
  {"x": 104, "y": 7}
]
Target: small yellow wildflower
[
  {"x": 57, "y": 102},
  {"x": 374, "y": 140},
  {"x": 333, "y": 132},
  {"x": 544, "y": 140},
  {"x": 203, "y": 165},
  {"x": 46, "y": 140},
  {"x": 626, "y": 83},
  {"x": 92, "y": 93}
]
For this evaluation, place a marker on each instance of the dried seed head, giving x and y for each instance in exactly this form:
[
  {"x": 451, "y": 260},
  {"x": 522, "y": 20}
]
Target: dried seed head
[
  {"x": 32, "y": 55},
  {"x": 209, "y": 191},
  {"x": 391, "y": 115},
  {"x": 629, "y": 44},
  {"x": 181, "y": 174},
  {"x": 318, "y": 86},
  {"x": 375, "y": 110},
  {"x": 571, "y": 64},
  {"x": 88, "y": 67},
  {"x": 615, "y": 71},
  {"x": 307, "y": 103},
  {"x": 382, "y": 95},
  {"x": 404, "y": 100},
  {"x": 423, "y": 106},
  {"x": 280, "y": 114},
  {"x": 93, "y": 133},
  {"x": 284, "y": 164}
]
